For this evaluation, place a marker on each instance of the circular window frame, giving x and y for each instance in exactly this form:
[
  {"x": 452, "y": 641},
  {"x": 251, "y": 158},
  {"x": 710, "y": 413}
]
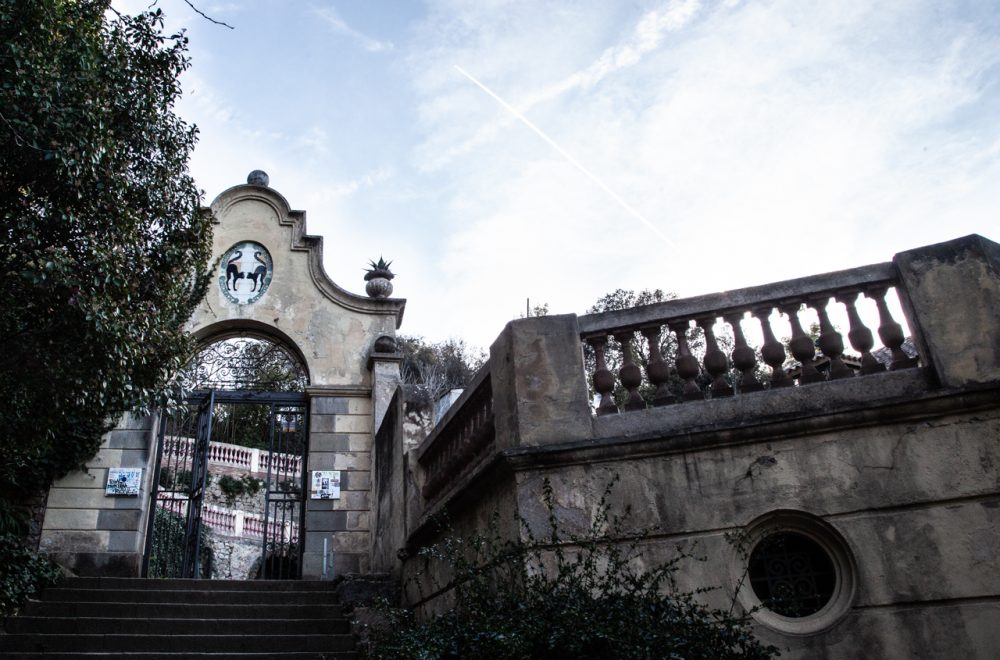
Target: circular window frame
[{"x": 828, "y": 539}]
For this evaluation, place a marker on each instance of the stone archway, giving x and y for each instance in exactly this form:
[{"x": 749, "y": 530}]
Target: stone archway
[{"x": 229, "y": 478}]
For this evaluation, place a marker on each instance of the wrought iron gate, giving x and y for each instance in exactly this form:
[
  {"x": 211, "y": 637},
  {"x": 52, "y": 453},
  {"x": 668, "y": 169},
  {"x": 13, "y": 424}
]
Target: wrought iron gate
[{"x": 191, "y": 513}]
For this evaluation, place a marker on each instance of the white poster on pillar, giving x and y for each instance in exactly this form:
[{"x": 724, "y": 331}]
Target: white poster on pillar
[{"x": 325, "y": 485}]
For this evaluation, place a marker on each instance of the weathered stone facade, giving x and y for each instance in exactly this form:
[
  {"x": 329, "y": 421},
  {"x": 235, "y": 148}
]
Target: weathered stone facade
[{"x": 891, "y": 474}]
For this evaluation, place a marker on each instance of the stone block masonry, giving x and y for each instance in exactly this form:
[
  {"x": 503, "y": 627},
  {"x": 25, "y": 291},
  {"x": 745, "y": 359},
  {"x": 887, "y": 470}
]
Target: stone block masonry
[
  {"x": 340, "y": 439},
  {"x": 89, "y": 532}
]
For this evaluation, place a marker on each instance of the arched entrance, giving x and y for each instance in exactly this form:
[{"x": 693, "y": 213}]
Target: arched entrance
[{"x": 229, "y": 478}]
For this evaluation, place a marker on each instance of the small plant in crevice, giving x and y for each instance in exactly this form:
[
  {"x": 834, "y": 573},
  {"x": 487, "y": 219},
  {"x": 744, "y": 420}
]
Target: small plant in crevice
[{"x": 561, "y": 596}]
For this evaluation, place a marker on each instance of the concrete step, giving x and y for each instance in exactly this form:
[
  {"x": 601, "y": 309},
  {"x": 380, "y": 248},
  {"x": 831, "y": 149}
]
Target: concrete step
[
  {"x": 40, "y": 625},
  {"x": 305, "y": 655},
  {"x": 269, "y": 586},
  {"x": 275, "y": 644},
  {"x": 172, "y": 619},
  {"x": 182, "y": 610},
  {"x": 209, "y": 597}
]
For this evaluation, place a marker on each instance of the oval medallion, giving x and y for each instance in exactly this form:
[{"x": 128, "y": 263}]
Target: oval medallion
[{"x": 245, "y": 272}]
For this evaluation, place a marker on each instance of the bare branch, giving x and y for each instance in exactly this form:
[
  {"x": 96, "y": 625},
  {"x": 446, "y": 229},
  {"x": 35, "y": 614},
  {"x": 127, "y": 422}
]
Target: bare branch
[{"x": 206, "y": 16}]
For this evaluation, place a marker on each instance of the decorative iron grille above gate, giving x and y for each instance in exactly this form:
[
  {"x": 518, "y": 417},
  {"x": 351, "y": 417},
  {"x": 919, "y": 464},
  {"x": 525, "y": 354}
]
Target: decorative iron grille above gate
[{"x": 245, "y": 363}]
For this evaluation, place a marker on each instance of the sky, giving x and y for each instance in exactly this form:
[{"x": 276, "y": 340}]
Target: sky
[{"x": 498, "y": 151}]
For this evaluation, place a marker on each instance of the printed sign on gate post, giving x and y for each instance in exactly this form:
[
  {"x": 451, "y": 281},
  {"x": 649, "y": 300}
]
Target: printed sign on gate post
[
  {"x": 123, "y": 481},
  {"x": 326, "y": 485}
]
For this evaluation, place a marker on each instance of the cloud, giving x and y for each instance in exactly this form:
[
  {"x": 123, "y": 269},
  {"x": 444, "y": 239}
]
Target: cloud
[
  {"x": 339, "y": 26},
  {"x": 769, "y": 140}
]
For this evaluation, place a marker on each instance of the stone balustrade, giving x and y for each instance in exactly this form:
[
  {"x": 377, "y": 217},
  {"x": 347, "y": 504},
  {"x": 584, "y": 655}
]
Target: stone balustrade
[
  {"x": 234, "y": 522},
  {"x": 462, "y": 436},
  {"x": 737, "y": 359},
  {"x": 255, "y": 461},
  {"x": 721, "y": 373}
]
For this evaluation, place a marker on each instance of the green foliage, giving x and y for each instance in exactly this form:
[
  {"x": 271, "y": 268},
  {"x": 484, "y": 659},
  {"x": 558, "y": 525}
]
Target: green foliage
[
  {"x": 437, "y": 367},
  {"x": 618, "y": 300},
  {"x": 103, "y": 247},
  {"x": 234, "y": 488},
  {"x": 12, "y": 519},
  {"x": 179, "y": 480},
  {"x": 22, "y": 573},
  {"x": 167, "y": 551},
  {"x": 562, "y": 597}
]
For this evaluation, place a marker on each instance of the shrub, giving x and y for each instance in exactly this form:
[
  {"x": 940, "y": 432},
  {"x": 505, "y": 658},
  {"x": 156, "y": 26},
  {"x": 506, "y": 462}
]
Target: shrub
[
  {"x": 22, "y": 573},
  {"x": 166, "y": 554},
  {"x": 563, "y": 597},
  {"x": 235, "y": 487}
]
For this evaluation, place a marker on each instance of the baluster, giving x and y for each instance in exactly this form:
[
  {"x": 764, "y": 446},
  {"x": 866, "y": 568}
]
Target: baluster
[
  {"x": 744, "y": 358},
  {"x": 772, "y": 350},
  {"x": 715, "y": 360},
  {"x": 859, "y": 335},
  {"x": 889, "y": 331},
  {"x": 604, "y": 381},
  {"x": 801, "y": 345},
  {"x": 687, "y": 364},
  {"x": 630, "y": 375},
  {"x": 830, "y": 341},
  {"x": 657, "y": 370}
]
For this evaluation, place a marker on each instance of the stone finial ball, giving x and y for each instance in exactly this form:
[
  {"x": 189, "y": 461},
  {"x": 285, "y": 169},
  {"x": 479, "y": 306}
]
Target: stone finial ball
[
  {"x": 258, "y": 178},
  {"x": 385, "y": 344}
]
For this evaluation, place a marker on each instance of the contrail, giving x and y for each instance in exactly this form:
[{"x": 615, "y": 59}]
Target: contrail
[{"x": 573, "y": 161}]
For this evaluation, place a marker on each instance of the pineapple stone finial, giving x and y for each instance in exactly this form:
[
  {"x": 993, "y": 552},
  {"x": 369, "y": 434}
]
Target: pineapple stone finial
[{"x": 377, "y": 278}]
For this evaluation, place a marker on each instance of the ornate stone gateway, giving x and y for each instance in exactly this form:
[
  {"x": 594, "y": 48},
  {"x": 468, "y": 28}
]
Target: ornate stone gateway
[
  {"x": 292, "y": 381},
  {"x": 229, "y": 481}
]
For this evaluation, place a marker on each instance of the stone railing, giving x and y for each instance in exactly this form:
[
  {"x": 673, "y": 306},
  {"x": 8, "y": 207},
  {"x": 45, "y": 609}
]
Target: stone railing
[
  {"x": 463, "y": 435},
  {"x": 722, "y": 374},
  {"x": 256, "y": 461},
  {"x": 234, "y": 522},
  {"x": 546, "y": 406}
]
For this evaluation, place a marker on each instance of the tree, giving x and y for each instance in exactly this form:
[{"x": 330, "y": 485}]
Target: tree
[
  {"x": 626, "y": 298},
  {"x": 437, "y": 367},
  {"x": 620, "y": 299},
  {"x": 103, "y": 247}
]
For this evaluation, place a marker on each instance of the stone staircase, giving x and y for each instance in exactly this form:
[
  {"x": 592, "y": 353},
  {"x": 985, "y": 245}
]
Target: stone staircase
[{"x": 172, "y": 619}]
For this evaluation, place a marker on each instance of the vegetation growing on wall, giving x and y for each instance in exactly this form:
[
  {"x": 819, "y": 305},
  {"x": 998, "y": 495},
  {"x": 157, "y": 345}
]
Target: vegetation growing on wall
[
  {"x": 103, "y": 248},
  {"x": 562, "y": 597},
  {"x": 234, "y": 488}
]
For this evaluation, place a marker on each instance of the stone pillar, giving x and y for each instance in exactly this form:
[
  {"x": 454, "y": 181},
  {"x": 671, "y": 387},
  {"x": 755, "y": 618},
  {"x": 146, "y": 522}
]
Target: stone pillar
[
  {"x": 539, "y": 386},
  {"x": 340, "y": 438},
  {"x": 383, "y": 363},
  {"x": 94, "y": 534},
  {"x": 951, "y": 294}
]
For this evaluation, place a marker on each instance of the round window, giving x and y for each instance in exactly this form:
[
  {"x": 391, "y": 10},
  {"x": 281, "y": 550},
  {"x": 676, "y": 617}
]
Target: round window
[
  {"x": 794, "y": 572},
  {"x": 791, "y": 574}
]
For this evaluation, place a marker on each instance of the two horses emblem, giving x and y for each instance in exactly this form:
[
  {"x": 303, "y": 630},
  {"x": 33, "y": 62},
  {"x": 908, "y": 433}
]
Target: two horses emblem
[{"x": 246, "y": 272}]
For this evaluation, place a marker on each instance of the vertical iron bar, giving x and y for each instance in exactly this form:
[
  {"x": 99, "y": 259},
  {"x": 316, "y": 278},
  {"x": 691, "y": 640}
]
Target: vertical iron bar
[
  {"x": 303, "y": 490},
  {"x": 154, "y": 495},
  {"x": 267, "y": 489}
]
